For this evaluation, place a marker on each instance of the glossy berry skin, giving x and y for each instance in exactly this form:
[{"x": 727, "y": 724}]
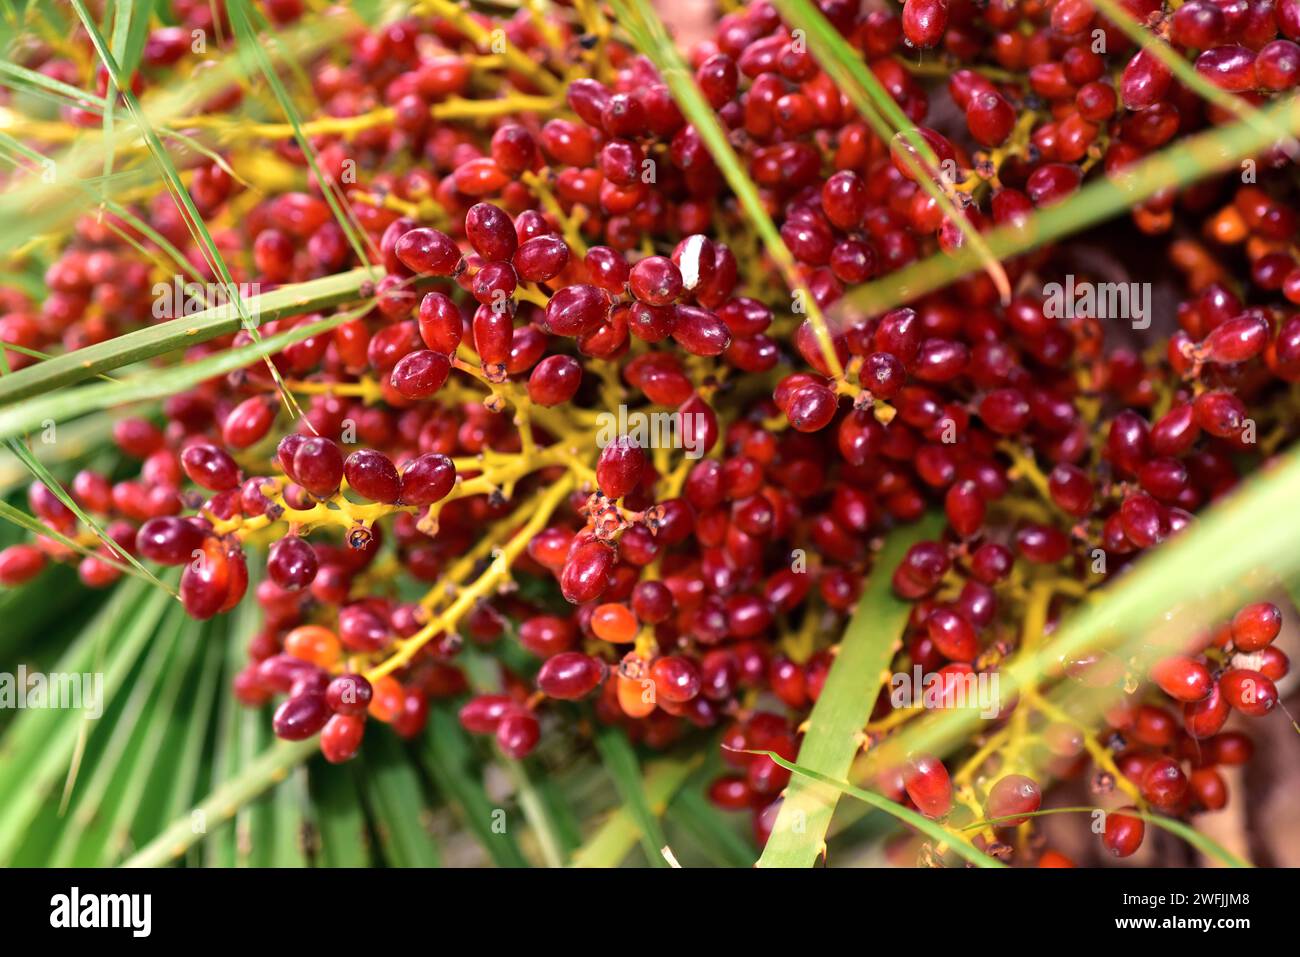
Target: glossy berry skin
[
  {"x": 19, "y": 564},
  {"x": 618, "y": 470},
  {"x": 586, "y": 572},
  {"x": 952, "y": 634},
  {"x": 613, "y": 622},
  {"x": 298, "y": 718},
  {"x": 1123, "y": 833},
  {"x": 554, "y": 380},
  {"x": 419, "y": 374},
  {"x": 990, "y": 118},
  {"x": 924, "y": 21},
  {"x": 928, "y": 785},
  {"x": 1248, "y": 692},
  {"x": 482, "y": 714},
  {"x": 541, "y": 258},
  {"x": 491, "y": 232},
  {"x": 844, "y": 199},
  {"x": 441, "y": 324},
  {"x": 169, "y": 540},
  {"x": 1163, "y": 783},
  {"x": 676, "y": 679},
  {"x": 373, "y": 476},
  {"x": 1277, "y": 65},
  {"x": 318, "y": 466},
  {"x": 570, "y": 675},
  {"x": 427, "y": 479},
  {"x": 291, "y": 563},
  {"x": 1013, "y": 795},
  {"x": 428, "y": 252},
  {"x": 247, "y": 423},
  {"x": 1255, "y": 626},
  {"x": 576, "y": 310},
  {"x": 340, "y": 738},
  {"x": 517, "y": 733},
  {"x": 210, "y": 467},
  {"x": 349, "y": 694},
  {"x": 1183, "y": 679},
  {"x": 656, "y": 281}
]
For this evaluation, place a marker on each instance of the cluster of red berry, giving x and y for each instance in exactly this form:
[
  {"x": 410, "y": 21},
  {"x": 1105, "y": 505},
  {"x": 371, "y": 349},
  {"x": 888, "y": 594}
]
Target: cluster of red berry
[{"x": 551, "y": 249}]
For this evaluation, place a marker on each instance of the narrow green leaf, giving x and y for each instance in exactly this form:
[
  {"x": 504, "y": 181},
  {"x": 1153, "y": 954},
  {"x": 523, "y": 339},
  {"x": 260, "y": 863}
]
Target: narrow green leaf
[
  {"x": 1191, "y": 78},
  {"x": 250, "y": 44},
  {"x": 615, "y": 838},
  {"x": 638, "y": 18},
  {"x": 397, "y": 803},
  {"x": 844, "y": 65},
  {"x": 290, "y": 827},
  {"x": 834, "y": 728},
  {"x": 1191, "y": 159},
  {"x": 40, "y": 772},
  {"x": 38, "y": 469},
  {"x": 183, "y": 774},
  {"x": 106, "y": 812},
  {"x": 181, "y": 333},
  {"x": 621, "y": 762},
  {"x": 157, "y": 384},
  {"x": 449, "y": 759},
  {"x": 171, "y": 176},
  {"x": 1192, "y": 836},
  {"x": 923, "y": 824},
  {"x": 19, "y": 77},
  {"x": 339, "y": 818},
  {"x": 23, "y": 520},
  {"x": 712, "y": 831},
  {"x": 271, "y": 767}
]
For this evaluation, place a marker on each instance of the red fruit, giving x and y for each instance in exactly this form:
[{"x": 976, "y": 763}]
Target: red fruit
[
  {"x": 570, "y": 675},
  {"x": 441, "y": 324},
  {"x": 586, "y": 572},
  {"x": 1255, "y": 626},
  {"x": 576, "y": 310},
  {"x": 1123, "y": 833},
  {"x": 1248, "y": 691},
  {"x": 656, "y": 281},
  {"x": 541, "y": 258},
  {"x": 301, "y": 716},
  {"x": 248, "y": 422},
  {"x": 618, "y": 471},
  {"x": 429, "y": 252},
  {"x": 518, "y": 733},
  {"x": 339, "y": 739},
  {"x": 554, "y": 380},
  {"x": 924, "y": 21},
  {"x": 420, "y": 374},
  {"x": 19, "y": 564},
  {"x": 210, "y": 467},
  {"x": 349, "y": 694},
  {"x": 427, "y": 479},
  {"x": 928, "y": 785},
  {"x": 676, "y": 678},
  {"x": 491, "y": 232},
  {"x": 1184, "y": 679},
  {"x": 1163, "y": 783},
  {"x": 318, "y": 466},
  {"x": 1012, "y": 795}
]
